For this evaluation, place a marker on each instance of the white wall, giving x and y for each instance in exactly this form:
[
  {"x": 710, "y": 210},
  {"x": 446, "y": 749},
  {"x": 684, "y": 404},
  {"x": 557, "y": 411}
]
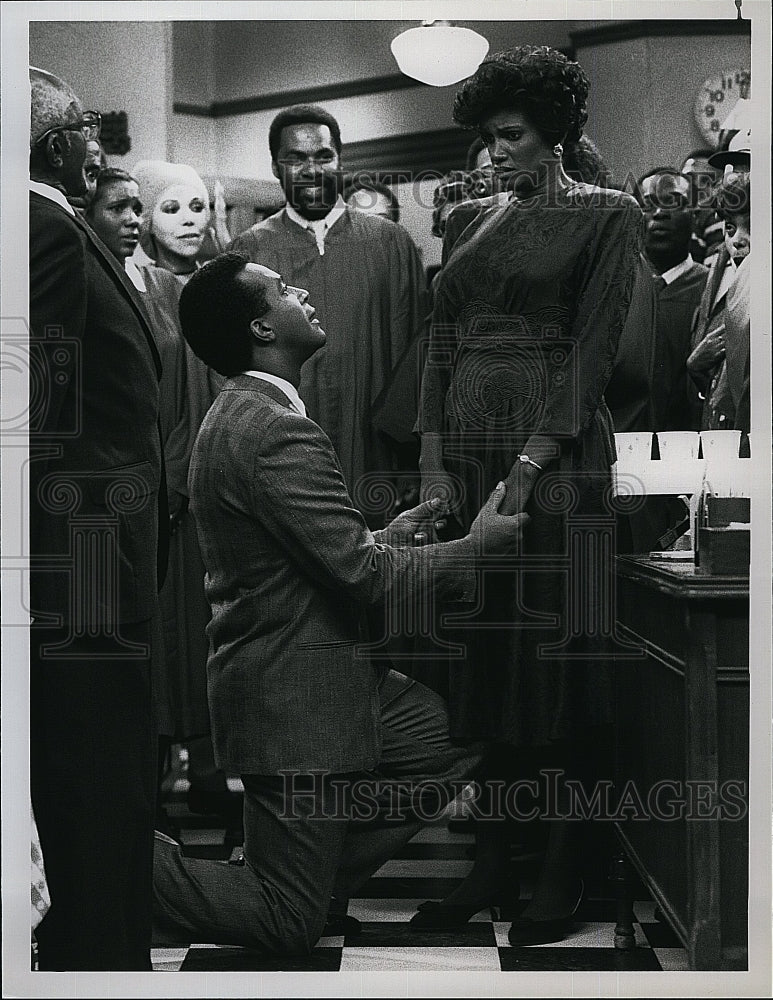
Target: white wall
[
  {"x": 242, "y": 140},
  {"x": 194, "y": 61},
  {"x": 416, "y": 216},
  {"x": 643, "y": 90},
  {"x": 266, "y": 57},
  {"x": 114, "y": 66},
  {"x": 193, "y": 139}
]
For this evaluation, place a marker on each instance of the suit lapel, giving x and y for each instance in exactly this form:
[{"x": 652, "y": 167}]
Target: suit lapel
[
  {"x": 126, "y": 286},
  {"x": 715, "y": 279}
]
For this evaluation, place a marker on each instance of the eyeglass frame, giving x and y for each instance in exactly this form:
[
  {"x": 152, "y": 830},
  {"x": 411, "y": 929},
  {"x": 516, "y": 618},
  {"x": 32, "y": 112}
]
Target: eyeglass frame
[{"x": 86, "y": 129}]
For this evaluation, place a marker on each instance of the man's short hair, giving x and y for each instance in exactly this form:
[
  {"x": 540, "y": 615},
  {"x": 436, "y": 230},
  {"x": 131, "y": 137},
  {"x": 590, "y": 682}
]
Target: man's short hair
[
  {"x": 50, "y": 100},
  {"x": 666, "y": 200},
  {"x": 216, "y": 311},
  {"x": 302, "y": 114}
]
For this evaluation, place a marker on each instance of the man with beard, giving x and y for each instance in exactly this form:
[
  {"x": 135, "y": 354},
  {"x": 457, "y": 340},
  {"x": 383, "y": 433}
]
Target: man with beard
[
  {"x": 364, "y": 275},
  {"x": 649, "y": 390}
]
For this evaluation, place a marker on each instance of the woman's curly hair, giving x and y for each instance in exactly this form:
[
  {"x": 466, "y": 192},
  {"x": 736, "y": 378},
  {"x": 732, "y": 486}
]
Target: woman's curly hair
[{"x": 551, "y": 90}]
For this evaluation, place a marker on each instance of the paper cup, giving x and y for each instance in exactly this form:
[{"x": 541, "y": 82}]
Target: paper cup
[
  {"x": 633, "y": 446},
  {"x": 720, "y": 446},
  {"x": 678, "y": 446}
]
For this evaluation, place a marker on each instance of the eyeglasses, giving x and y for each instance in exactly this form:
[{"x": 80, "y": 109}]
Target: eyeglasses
[{"x": 89, "y": 126}]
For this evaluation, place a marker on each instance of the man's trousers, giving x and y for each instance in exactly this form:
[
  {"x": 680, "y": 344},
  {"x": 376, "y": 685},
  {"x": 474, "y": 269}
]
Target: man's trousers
[{"x": 309, "y": 837}]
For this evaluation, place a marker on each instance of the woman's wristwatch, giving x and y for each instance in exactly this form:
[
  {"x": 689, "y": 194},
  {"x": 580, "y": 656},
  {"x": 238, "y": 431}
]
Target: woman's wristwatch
[{"x": 525, "y": 460}]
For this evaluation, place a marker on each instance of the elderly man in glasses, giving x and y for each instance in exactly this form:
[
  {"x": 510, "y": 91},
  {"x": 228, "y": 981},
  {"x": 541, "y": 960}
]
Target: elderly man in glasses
[{"x": 97, "y": 501}]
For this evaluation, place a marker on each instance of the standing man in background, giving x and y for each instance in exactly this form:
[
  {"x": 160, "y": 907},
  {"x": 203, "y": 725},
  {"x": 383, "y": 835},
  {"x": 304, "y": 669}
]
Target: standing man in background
[
  {"x": 97, "y": 503},
  {"x": 649, "y": 388},
  {"x": 320, "y": 244}
]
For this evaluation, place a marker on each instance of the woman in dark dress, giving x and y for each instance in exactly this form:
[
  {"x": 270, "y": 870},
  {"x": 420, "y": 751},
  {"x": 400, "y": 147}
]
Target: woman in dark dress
[{"x": 528, "y": 312}]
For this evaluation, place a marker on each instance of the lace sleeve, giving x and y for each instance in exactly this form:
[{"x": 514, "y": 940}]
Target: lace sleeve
[{"x": 605, "y": 276}]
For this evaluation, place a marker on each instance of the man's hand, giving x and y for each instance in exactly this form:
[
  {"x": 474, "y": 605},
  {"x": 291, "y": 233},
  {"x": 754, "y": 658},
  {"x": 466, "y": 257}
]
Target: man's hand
[
  {"x": 417, "y": 526},
  {"x": 495, "y": 532}
]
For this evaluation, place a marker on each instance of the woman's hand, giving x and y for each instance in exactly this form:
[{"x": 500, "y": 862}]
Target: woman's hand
[
  {"x": 710, "y": 350},
  {"x": 520, "y": 484},
  {"x": 417, "y": 526},
  {"x": 435, "y": 480}
]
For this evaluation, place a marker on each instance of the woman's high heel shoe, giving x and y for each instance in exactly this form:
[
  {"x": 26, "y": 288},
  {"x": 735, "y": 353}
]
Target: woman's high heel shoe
[
  {"x": 525, "y": 931},
  {"x": 439, "y": 916}
]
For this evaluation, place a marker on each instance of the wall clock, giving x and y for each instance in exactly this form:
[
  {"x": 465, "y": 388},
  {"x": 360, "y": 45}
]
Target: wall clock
[{"x": 716, "y": 99}]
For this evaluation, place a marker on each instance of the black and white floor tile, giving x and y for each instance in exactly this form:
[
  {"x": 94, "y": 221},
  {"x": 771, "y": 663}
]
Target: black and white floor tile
[{"x": 427, "y": 868}]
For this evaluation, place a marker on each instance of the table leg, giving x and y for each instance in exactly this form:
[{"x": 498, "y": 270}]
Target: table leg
[{"x": 620, "y": 875}]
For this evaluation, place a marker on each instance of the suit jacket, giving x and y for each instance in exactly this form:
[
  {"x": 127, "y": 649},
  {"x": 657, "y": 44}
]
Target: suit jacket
[
  {"x": 95, "y": 454},
  {"x": 291, "y": 568},
  {"x": 738, "y": 344},
  {"x": 711, "y": 390}
]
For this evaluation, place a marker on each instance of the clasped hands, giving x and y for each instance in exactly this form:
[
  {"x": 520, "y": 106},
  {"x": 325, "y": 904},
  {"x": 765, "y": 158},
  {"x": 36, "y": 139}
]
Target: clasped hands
[{"x": 495, "y": 529}]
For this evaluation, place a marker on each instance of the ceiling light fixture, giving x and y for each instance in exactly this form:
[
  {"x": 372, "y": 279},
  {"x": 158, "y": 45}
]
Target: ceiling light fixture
[{"x": 439, "y": 53}]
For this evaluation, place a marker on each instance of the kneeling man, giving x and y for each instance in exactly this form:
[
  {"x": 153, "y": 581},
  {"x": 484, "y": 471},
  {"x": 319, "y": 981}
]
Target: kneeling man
[{"x": 318, "y": 734}]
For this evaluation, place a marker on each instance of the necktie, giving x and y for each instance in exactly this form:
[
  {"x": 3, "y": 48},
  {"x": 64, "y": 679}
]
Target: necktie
[{"x": 659, "y": 282}]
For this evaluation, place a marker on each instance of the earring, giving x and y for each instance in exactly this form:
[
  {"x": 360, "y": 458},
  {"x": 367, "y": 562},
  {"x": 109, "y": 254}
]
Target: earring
[{"x": 558, "y": 150}]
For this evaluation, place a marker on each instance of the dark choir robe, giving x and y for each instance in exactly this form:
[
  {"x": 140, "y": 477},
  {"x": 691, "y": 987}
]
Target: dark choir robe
[
  {"x": 187, "y": 390},
  {"x": 369, "y": 291},
  {"x": 649, "y": 390}
]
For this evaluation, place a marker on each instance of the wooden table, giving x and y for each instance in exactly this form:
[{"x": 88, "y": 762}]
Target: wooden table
[{"x": 682, "y": 739}]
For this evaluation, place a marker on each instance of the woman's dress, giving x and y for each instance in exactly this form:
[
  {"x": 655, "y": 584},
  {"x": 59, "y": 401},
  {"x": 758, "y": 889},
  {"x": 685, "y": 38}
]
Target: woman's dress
[
  {"x": 528, "y": 313},
  {"x": 188, "y": 388}
]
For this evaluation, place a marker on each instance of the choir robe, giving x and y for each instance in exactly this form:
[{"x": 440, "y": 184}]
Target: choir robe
[
  {"x": 649, "y": 388},
  {"x": 188, "y": 388},
  {"x": 369, "y": 291}
]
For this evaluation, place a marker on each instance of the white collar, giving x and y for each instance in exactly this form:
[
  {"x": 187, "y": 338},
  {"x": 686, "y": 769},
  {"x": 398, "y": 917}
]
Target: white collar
[
  {"x": 134, "y": 275},
  {"x": 678, "y": 270},
  {"x": 320, "y": 227},
  {"x": 53, "y": 194},
  {"x": 286, "y": 387}
]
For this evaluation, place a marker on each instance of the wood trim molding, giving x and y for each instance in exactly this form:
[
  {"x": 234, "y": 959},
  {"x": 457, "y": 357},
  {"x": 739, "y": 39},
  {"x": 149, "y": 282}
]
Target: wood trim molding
[
  {"x": 623, "y": 31},
  {"x": 307, "y": 95},
  {"x": 312, "y": 95},
  {"x": 401, "y": 158}
]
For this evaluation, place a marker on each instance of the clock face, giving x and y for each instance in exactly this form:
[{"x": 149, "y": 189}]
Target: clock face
[{"x": 716, "y": 99}]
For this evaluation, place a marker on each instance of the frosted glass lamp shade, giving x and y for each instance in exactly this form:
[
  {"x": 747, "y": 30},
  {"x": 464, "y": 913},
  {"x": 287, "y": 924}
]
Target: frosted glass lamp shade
[{"x": 439, "y": 54}]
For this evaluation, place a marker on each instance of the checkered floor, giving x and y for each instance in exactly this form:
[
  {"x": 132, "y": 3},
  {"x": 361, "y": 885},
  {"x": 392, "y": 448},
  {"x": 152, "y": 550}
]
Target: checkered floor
[{"x": 428, "y": 867}]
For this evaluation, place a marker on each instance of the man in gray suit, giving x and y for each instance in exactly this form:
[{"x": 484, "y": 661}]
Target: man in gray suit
[{"x": 340, "y": 760}]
